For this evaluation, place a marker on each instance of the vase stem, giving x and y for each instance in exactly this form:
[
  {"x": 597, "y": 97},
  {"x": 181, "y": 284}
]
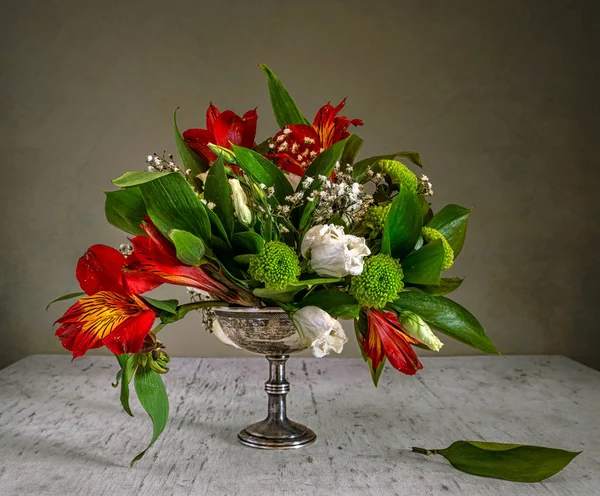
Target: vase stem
[
  {"x": 277, "y": 431},
  {"x": 277, "y": 388}
]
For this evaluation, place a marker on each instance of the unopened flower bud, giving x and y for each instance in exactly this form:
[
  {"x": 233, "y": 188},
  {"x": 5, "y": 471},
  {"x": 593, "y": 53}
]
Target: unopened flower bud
[
  {"x": 240, "y": 203},
  {"x": 417, "y": 328},
  {"x": 220, "y": 151}
]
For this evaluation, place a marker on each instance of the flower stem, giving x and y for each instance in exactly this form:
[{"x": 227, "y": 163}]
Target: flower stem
[{"x": 424, "y": 451}]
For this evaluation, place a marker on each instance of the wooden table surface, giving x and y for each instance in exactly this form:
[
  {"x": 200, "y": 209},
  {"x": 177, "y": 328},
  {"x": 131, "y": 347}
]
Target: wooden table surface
[{"x": 62, "y": 430}]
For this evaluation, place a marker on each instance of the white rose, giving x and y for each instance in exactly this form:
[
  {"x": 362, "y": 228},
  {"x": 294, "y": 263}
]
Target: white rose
[
  {"x": 240, "y": 202},
  {"x": 333, "y": 253},
  {"x": 319, "y": 330},
  {"x": 417, "y": 328}
]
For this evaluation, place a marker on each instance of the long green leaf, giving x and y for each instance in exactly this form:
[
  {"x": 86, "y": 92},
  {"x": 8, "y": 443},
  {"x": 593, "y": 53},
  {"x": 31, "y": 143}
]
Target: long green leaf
[
  {"x": 125, "y": 209},
  {"x": 216, "y": 225},
  {"x": 189, "y": 159},
  {"x": 446, "y": 285},
  {"x": 152, "y": 395},
  {"x": 403, "y": 225},
  {"x": 172, "y": 204},
  {"x": 263, "y": 171},
  {"x": 284, "y": 107},
  {"x": 336, "y": 303},
  {"x": 513, "y": 462},
  {"x": 169, "y": 306},
  {"x": 248, "y": 242},
  {"x": 353, "y": 146},
  {"x": 452, "y": 221},
  {"x": 424, "y": 265},
  {"x": 128, "y": 367},
  {"x": 189, "y": 249},
  {"x": 446, "y": 316},
  {"x": 130, "y": 179},
  {"x": 217, "y": 191},
  {"x": 65, "y": 297}
]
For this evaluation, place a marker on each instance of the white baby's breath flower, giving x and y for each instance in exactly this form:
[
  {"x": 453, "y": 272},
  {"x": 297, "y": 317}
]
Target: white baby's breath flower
[
  {"x": 333, "y": 253},
  {"x": 417, "y": 328},
  {"x": 319, "y": 330}
]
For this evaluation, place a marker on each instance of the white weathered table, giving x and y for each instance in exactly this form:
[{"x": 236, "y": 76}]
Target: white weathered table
[{"x": 62, "y": 430}]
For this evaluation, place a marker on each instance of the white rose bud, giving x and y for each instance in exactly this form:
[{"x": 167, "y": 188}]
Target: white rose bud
[
  {"x": 333, "y": 253},
  {"x": 240, "y": 203},
  {"x": 319, "y": 330},
  {"x": 417, "y": 328}
]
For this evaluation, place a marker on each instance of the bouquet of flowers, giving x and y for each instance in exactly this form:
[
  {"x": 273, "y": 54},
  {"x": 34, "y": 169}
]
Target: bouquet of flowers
[{"x": 296, "y": 222}]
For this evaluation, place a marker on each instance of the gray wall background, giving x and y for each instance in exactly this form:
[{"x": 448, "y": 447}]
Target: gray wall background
[{"x": 499, "y": 97}]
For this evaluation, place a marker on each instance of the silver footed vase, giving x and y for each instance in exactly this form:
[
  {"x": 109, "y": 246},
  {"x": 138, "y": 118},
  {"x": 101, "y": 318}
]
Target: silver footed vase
[{"x": 269, "y": 332}]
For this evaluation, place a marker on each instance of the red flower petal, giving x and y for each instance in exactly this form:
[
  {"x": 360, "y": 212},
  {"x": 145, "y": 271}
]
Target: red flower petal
[
  {"x": 211, "y": 116},
  {"x": 87, "y": 323},
  {"x": 129, "y": 336},
  {"x": 231, "y": 128},
  {"x": 197, "y": 140},
  {"x": 396, "y": 343},
  {"x": 372, "y": 346},
  {"x": 295, "y": 147},
  {"x": 331, "y": 128},
  {"x": 100, "y": 269}
]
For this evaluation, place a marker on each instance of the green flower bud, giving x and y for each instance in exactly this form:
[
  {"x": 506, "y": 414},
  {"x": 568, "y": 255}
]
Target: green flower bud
[
  {"x": 375, "y": 218},
  {"x": 430, "y": 235},
  {"x": 276, "y": 266},
  {"x": 399, "y": 174},
  {"x": 417, "y": 328},
  {"x": 159, "y": 366},
  {"x": 379, "y": 283},
  {"x": 228, "y": 156}
]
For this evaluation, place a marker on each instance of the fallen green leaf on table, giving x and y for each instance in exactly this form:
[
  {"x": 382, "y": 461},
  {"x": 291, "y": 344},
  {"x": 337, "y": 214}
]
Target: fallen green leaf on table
[{"x": 513, "y": 462}]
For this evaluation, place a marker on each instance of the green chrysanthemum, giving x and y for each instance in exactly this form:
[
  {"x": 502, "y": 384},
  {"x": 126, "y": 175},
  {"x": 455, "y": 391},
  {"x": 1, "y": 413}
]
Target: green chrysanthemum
[
  {"x": 277, "y": 265},
  {"x": 375, "y": 218},
  {"x": 399, "y": 174},
  {"x": 379, "y": 283},
  {"x": 430, "y": 235}
]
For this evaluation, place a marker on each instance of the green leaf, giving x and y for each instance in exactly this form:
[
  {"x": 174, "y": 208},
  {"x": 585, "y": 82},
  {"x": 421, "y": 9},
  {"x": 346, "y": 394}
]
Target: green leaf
[
  {"x": 128, "y": 366},
  {"x": 125, "y": 209},
  {"x": 360, "y": 168},
  {"x": 217, "y": 228},
  {"x": 446, "y": 316},
  {"x": 336, "y": 303},
  {"x": 65, "y": 297},
  {"x": 316, "y": 280},
  {"x": 216, "y": 190},
  {"x": 513, "y": 462},
  {"x": 152, "y": 395},
  {"x": 282, "y": 295},
  {"x": 403, "y": 225},
  {"x": 172, "y": 204},
  {"x": 189, "y": 159},
  {"x": 353, "y": 146},
  {"x": 130, "y": 179},
  {"x": 169, "y": 306},
  {"x": 189, "y": 248},
  {"x": 284, "y": 107},
  {"x": 424, "y": 265},
  {"x": 446, "y": 285},
  {"x": 452, "y": 221},
  {"x": 263, "y": 171},
  {"x": 248, "y": 242},
  {"x": 307, "y": 215}
]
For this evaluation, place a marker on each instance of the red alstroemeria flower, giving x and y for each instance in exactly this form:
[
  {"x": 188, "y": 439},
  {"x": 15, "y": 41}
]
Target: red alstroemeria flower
[
  {"x": 111, "y": 315},
  {"x": 155, "y": 261},
  {"x": 222, "y": 128},
  {"x": 386, "y": 338},
  {"x": 297, "y": 145}
]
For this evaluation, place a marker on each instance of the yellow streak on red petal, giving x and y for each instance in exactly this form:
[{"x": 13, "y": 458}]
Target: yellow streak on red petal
[{"x": 104, "y": 311}]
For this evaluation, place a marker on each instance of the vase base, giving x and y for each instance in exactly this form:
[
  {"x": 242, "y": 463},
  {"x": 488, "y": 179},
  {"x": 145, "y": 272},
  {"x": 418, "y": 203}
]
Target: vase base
[{"x": 276, "y": 435}]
